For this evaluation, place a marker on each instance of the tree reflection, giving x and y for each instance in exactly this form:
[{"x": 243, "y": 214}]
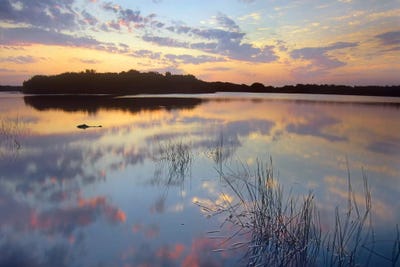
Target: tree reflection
[{"x": 94, "y": 103}]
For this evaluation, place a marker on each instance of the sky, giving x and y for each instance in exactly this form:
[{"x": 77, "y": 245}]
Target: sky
[{"x": 351, "y": 42}]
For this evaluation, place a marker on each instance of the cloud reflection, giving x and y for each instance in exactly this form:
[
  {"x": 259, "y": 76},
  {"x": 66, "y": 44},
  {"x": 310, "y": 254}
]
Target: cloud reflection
[
  {"x": 62, "y": 221},
  {"x": 316, "y": 126},
  {"x": 19, "y": 255},
  {"x": 198, "y": 253},
  {"x": 386, "y": 147},
  {"x": 43, "y": 192}
]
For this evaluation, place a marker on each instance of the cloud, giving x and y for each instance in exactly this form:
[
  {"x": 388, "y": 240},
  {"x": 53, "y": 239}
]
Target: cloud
[
  {"x": 48, "y": 22},
  {"x": 227, "y": 22},
  {"x": 318, "y": 55},
  {"x": 88, "y": 18},
  {"x": 146, "y": 53},
  {"x": 6, "y": 70},
  {"x": 114, "y": 25},
  {"x": 129, "y": 18},
  {"x": 320, "y": 61},
  {"x": 109, "y": 6},
  {"x": 48, "y": 14},
  {"x": 282, "y": 46},
  {"x": 218, "y": 69},
  {"x": 189, "y": 59},
  {"x": 229, "y": 32},
  {"x": 128, "y": 15},
  {"x": 62, "y": 15},
  {"x": 20, "y": 59},
  {"x": 165, "y": 41},
  {"x": 26, "y": 36},
  {"x": 89, "y": 61},
  {"x": 226, "y": 40},
  {"x": 390, "y": 39}
]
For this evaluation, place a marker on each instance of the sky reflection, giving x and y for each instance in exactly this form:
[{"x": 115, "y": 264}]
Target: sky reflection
[{"x": 125, "y": 193}]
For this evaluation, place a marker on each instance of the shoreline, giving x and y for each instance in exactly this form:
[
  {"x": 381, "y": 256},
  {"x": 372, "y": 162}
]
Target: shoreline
[{"x": 134, "y": 82}]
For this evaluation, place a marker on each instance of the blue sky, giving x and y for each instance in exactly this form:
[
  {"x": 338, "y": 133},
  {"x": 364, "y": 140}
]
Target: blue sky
[{"x": 353, "y": 42}]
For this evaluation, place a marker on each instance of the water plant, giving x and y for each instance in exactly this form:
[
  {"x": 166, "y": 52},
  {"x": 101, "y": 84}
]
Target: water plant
[
  {"x": 279, "y": 229},
  {"x": 11, "y": 133}
]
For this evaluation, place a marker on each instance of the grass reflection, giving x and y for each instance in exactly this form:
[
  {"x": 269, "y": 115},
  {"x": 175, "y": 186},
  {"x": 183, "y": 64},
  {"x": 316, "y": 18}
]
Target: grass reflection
[
  {"x": 220, "y": 151},
  {"x": 174, "y": 162},
  {"x": 282, "y": 230},
  {"x": 173, "y": 165}
]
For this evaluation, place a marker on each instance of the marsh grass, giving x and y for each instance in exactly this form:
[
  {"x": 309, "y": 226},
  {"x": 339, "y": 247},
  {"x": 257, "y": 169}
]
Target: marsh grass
[
  {"x": 283, "y": 230},
  {"x": 11, "y": 133}
]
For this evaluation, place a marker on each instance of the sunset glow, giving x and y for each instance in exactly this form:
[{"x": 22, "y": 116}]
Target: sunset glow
[{"x": 353, "y": 42}]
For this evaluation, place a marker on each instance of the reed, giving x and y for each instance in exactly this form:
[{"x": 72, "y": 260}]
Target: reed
[
  {"x": 286, "y": 231},
  {"x": 11, "y": 133}
]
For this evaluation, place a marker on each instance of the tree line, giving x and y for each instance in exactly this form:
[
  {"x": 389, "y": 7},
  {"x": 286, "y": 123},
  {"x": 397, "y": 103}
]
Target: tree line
[
  {"x": 130, "y": 82},
  {"x": 135, "y": 82}
]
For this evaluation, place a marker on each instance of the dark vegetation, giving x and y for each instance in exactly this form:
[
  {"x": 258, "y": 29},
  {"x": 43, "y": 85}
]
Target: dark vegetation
[
  {"x": 4, "y": 88},
  {"x": 135, "y": 82},
  {"x": 123, "y": 83}
]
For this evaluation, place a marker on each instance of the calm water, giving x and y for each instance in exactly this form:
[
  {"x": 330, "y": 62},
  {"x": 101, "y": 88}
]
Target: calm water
[{"x": 124, "y": 194}]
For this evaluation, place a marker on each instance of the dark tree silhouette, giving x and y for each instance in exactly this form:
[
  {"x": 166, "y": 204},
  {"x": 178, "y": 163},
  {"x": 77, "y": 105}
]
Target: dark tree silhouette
[{"x": 135, "y": 82}]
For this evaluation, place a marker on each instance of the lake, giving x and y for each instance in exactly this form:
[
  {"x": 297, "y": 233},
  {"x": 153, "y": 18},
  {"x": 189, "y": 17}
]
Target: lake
[{"x": 153, "y": 185}]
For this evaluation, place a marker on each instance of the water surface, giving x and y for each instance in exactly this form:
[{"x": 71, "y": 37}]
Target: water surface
[{"x": 120, "y": 196}]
